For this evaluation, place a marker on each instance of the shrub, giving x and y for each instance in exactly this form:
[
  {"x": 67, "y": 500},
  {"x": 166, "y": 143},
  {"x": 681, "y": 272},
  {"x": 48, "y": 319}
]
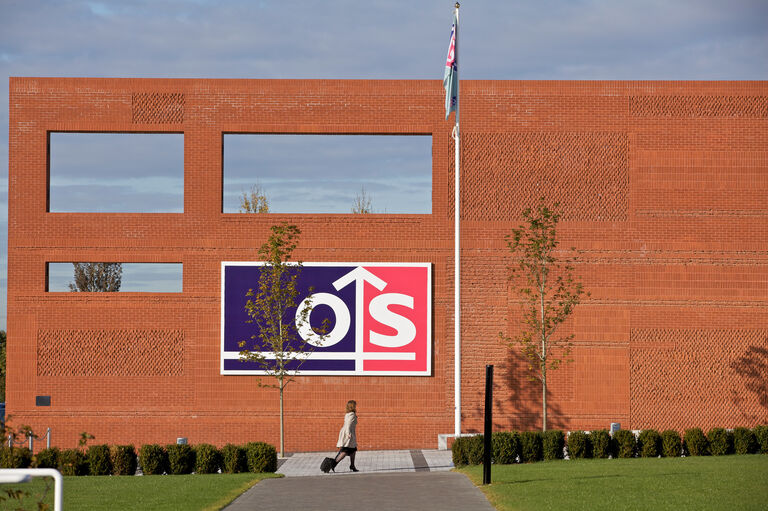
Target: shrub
[
  {"x": 123, "y": 460},
  {"x": 459, "y": 451},
  {"x": 671, "y": 445},
  {"x": 744, "y": 441},
  {"x": 552, "y": 443},
  {"x": 761, "y": 435},
  {"x": 475, "y": 450},
  {"x": 649, "y": 443},
  {"x": 578, "y": 445},
  {"x": 600, "y": 441},
  {"x": 695, "y": 443},
  {"x": 720, "y": 441},
  {"x": 153, "y": 459},
  {"x": 530, "y": 446},
  {"x": 233, "y": 459},
  {"x": 506, "y": 447},
  {"x": 207, "y": 459},
  {"x": 624, "y": 443},
  {"x": 47, "y": 458},
  {"x": 15, "y": 457},
  {"x": 181, "y": 459},
  {"x": 72, "y": 462},
  {"x": 99, "y": 463},
  {"x": 260, "y": 457}
]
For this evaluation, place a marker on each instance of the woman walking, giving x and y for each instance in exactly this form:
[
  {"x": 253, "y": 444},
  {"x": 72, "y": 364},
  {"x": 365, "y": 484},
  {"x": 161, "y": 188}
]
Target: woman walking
[{"x": 347, "y": 438}]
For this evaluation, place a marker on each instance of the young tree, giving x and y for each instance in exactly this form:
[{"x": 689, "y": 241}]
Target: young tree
[
  {"x": 362, "y": 204},
  {"x": 97, "y": 277},
  {"x": 254, "y": 201},
  {"x": 549, "y": 291},
  {"x": 2, "y": 365},
  {"x": 276, "y": 346}
]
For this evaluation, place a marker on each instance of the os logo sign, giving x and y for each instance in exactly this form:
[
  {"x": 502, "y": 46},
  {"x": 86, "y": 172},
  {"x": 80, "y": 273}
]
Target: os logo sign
[{"x": 379, "y": 317}]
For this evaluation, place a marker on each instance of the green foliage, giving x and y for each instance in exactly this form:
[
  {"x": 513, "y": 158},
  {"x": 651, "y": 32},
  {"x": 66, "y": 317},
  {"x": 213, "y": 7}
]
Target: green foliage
[
  {"x": 153, "y": 459},
  {"x": 123, "y": 460},
  {"x": 15, "y": 457},
  {"x": 506, "y": 447},
  {"x": 261, "y": 457},
  {"x": 549, "y": 290},
  {"x": 207, "y": 459},
  {"x": 233, "y": 459},
  {"x": 671, "y": 445},
  {"x": 649, "y": 443},
  {"x": 720, "y": 441},
  {"x": 578, "y": 445},
  {"x": 761, "y": 435},
  {"x": 744, "y": 441},
  {"x": 181, "y": 459},
  {"x": 99, "y": 461},
  {"x": 475, "y": 450},
  {"x": 530, "y": 446},
  {"x": 552, "y": 444},
  {"x": 600, "y": 441},
  {"x": 624, "y": 443},
  {"x": 695, "y": 443},
  {"x": 73, "y": 462},
  {"x": 47, "y": 458}
]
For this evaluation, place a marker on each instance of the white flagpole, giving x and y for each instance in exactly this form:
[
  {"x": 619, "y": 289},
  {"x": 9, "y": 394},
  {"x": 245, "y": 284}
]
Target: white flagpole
[{"x": 456, "y": 253}]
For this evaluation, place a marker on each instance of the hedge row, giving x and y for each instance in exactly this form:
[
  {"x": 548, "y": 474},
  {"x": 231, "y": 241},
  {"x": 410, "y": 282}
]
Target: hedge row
[
  {"x": 152, "y": 458},
  {"x": 529, "y": 446}
]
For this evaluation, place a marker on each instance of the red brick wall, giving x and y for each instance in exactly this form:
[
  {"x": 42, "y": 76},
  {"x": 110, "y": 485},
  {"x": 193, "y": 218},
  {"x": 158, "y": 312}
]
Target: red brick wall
[{"x": 664, "y": 187}]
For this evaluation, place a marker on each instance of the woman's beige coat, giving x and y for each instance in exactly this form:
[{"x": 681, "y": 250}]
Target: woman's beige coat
[{"x": 347, "y": 437}]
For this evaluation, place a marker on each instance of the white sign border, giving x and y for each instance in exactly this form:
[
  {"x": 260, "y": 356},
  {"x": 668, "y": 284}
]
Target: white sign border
[{"x": 247, "y": 372}]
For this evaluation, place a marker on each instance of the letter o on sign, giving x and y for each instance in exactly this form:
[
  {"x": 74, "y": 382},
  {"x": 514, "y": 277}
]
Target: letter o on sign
[{"x": 340, "y": 310}]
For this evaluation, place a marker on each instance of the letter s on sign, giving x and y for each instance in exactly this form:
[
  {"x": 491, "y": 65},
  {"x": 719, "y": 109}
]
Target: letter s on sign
[{"x": 406, "y": 330}]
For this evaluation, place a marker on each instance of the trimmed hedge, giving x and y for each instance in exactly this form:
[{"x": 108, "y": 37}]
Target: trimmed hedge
[
  {"x": 233, "y": 459},
  {"x": 506, "y": 447},
  {"x": 624, "y": 443},
  {"x": 578, "y": 445},
  {"x": 123, "y": 460},
  {"x": 761, "y": 435},
  {"x": 207, "y": 459},
  {"x": 181, "y": 459},
  {"x": 649, "y": 443},
  {"x": 153, "y": 459},
  {"x": 720, "y": 441},
  {"x": 72, "y": 462},
  {"x": 671, "y": 444},
  {"x": 475, "y": 449},
  {"x": 261, "y": 457},
  {"x": 600, "y": 441},
  {"x": 552, "y": 444},
  {"x": 99, "y": 462},
  {"x": 744, "y": 441},
  {"x": 47, "y": 458},
  {"x": 530, "y": 446},
  {"x": 15, "y": 457},
  {"x": 695, "y": 443}
]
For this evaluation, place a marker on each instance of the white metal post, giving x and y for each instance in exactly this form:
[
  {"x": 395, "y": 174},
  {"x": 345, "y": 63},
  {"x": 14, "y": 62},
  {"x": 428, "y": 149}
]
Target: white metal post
[{"x": 457, "y": 249}]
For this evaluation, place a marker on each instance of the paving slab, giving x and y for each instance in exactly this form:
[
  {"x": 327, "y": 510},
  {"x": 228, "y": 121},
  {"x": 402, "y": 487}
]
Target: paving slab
[
  {"x": 395, "y": 491},
  {"x": 308, "y": 463}
]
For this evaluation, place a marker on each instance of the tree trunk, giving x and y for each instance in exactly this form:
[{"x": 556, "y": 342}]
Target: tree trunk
[
  {"x": 544, "y": 397},
  {"x": 282, "y": 426}
]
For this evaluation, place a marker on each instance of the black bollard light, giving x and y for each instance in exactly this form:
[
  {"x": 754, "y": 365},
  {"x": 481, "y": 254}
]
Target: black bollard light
[{"x": 488, "y": 431}]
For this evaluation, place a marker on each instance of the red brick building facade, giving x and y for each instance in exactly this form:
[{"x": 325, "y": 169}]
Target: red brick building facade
[{"x": 664, "y": 190}]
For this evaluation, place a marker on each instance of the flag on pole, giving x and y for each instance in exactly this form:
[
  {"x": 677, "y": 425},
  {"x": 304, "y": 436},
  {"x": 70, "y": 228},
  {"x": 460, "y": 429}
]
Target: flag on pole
[{"x": 451, "y": 76}]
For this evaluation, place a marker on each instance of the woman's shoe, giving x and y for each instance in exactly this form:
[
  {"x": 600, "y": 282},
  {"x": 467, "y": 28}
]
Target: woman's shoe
[
  {"x": 353, "y": 469},
  {"x": 333, "y": 466}
]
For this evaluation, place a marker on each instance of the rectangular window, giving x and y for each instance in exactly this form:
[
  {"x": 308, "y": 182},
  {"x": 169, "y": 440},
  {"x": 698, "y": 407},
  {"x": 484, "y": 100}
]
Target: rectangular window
[
  {"x": 114, "y": 277},
  {"x": 329, "y": 173},
  {"x": 116, "y": 172}
]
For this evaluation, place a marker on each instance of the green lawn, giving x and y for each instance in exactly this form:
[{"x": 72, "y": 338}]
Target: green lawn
[
  {"x": 186, "y": 492},
  {"x": 711, "y": 482}
]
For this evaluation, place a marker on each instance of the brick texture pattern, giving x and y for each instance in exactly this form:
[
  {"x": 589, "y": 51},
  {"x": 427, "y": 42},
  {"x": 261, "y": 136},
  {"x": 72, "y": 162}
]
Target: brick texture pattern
[{"x": 663, "y": 187}]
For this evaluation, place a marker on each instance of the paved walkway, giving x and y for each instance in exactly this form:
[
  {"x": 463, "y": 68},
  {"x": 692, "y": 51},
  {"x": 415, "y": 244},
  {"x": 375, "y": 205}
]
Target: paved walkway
[{"x": 417, "y": 480}]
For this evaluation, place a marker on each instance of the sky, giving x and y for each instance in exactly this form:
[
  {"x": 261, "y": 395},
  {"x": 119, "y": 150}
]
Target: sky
[{"x": 392, "y": 39}]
